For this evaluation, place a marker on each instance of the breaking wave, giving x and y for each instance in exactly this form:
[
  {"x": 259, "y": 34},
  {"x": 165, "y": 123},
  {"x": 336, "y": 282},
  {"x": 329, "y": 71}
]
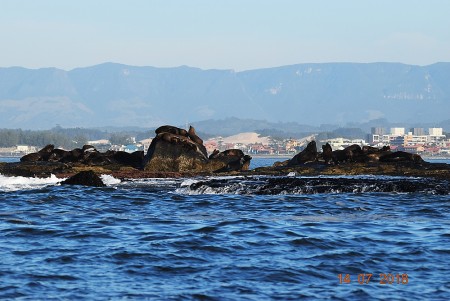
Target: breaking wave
[
  {"x": 26, "y": 183},
  {"x": 110, "y": 180}
]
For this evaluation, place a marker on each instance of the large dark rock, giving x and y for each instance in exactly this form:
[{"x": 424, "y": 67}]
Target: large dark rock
[
  {"x": 170, "y": 152},
  {"x": 85, "y": 178}
]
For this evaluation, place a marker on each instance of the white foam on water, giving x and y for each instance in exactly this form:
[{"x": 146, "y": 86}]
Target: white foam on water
[
  {"x": 188, "y": 182},
  {"x": 110, "y": 180},
  {"x": 26, "y": 183},
  {"x": 154, "y": 181}
]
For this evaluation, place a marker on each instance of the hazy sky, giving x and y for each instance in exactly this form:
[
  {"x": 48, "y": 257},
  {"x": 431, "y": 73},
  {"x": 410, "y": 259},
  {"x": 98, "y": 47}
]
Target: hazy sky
[{"x": 222, "y": 34}]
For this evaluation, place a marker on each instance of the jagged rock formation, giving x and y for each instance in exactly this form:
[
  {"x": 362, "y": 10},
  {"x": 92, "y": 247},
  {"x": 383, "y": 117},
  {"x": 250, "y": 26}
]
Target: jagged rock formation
[
  {"x": 172, "y": 150},
  {"x": 177, "y": 150},
  {"x": 180, "y": 153}
]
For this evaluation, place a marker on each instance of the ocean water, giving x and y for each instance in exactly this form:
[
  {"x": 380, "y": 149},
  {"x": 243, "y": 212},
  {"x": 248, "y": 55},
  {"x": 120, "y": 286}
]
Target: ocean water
[{"x": 221, "y": 239}]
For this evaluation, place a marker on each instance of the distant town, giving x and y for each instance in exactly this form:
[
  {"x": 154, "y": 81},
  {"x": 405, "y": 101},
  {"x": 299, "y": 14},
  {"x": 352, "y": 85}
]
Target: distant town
[{"x": 427, "y": 142}]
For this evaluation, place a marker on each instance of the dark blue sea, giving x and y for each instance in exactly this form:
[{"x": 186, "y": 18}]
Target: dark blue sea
[{"x": 174, "y": 239}]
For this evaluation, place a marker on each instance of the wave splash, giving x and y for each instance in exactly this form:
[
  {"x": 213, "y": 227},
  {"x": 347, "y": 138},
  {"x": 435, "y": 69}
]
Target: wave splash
[
  {"x": 26, "y": 183},
  {"x": 313, "y": 185},
  {"x": 110, "y": 180}
]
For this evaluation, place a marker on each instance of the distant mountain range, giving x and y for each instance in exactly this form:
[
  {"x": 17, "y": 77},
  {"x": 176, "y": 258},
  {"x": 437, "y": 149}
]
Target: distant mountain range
[
  {"x": 119, "y": 95},
  {"x": 231, "y": 126}
]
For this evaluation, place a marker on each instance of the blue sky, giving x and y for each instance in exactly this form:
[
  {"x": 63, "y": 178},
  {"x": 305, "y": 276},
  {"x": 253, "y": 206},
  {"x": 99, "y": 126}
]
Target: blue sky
[{"x": 222, "y": 34}]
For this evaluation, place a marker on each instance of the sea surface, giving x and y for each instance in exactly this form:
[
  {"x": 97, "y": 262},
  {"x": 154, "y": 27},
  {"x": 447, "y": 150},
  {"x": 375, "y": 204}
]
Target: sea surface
[{"x": 174, "y": 239}]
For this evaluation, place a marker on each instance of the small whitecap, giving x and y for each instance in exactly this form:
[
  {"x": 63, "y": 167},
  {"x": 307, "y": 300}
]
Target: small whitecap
[
  {"x": 188, "y": 182},
  {"x": 110, "y": 180}
]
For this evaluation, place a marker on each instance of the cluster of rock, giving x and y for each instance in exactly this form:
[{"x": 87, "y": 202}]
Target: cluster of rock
[
  {"x": 260, "y": 185},
  {"x": 87, "y": 155},
  {"x": 352, "y": 153},
  {"x": 175, "y": 149},
  {"x": 172, "y": 150},
  {"x": 178, "y": 152}
]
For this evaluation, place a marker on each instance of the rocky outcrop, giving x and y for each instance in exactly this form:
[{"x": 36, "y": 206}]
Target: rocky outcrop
[
  {"x": 178, "y": 150},
  {"x": 34, "y": 169},
  {"x": 360, "y": 161},
  {"x": 179, "y": 153},
  {"x": 174, "y": 153},
  {"x": 85, "y": 178},
  {"x": 259, "y": 185},
  {"x": 173, "y": 150}
]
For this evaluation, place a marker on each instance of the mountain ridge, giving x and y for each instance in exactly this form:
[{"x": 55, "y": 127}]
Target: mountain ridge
[{"x": 146, "y": 96}]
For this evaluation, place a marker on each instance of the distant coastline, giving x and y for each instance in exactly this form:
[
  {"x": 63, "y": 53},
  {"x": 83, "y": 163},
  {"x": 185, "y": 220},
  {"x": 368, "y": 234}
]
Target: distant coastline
[
  {"x": 11, "y": 156},
  {"x": 287, "y": 156},
  {"x": 436, "y": 158}
]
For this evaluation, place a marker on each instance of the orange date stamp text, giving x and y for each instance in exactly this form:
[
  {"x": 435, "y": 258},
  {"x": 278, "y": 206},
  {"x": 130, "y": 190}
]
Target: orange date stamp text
[{"x": 366, "y": 278}]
